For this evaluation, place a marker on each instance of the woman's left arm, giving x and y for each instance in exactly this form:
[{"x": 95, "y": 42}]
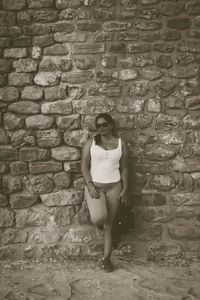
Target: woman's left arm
[{"x": 124, "y": 174}]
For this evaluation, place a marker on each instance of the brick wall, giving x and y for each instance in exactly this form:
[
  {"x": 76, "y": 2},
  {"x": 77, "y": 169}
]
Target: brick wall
[{"x": 61, "y": 63}]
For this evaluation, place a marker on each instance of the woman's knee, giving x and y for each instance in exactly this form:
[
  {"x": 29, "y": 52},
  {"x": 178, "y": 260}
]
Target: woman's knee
[{"x": 98, "y": 220}]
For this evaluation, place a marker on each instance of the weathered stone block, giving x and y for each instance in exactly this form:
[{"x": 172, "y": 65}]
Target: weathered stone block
[
  {"x": 7, "y": 18},
  {"x": 5, "y": 42},
  {"x": 22, "y": 200},
  {"x": 72, "y": 166},
  {"x": 171, "y": 9},
  {"x": 164, "y": 61},
  {"x": 88, "y": 48},
  {"x": 3, "y": 200},
  {"x": 22, "y": 41},
  {"x": 77, "y": 77},
  {"x": 47, "y": 236},
  {"x": 184, "y": 232},
  {"x": 88, "y": 26},
  {"x": 193, "y": 7},
  {"x": 140, "y": 88},
  {"x": 12, "y": 121},
  {"x": 151, "y": 37},
  {"x": 3, "y": 80},
  {"x": 174, "y": 138},
  {"x": 84, "y": 63},
  {"x": 45, "y": 15},
  {"x": 57, "y": 49},
  {"x": 153, "y": 105},
  {"x": 15, "y": 53},
  {"x": 39, "y": 30},
  {"x": 89, "y": 107},
  {"x": 110, "y": 90},
  {"x": 32, "y": 154},
  {"x": 39, "y": 184},
  {"x": 8, "y": 153},
  {"x": 12, "y": 236},
  {"x": 5, "y": 66},
  {"x": 10, "y": 31},
  {"x": 118, "y": 47},
  {"x": 48, "y": 138},
  {"x": 191, "y": 121},
  {"x": 40, "y": 3},
  {"x": 179, "y": 23},
  {"x": 32, "y": 217},
  {"x": 102, "y": 36},
  {"x": 159, "y": 153},
  {"x": 32, "y": 93},
  {"x": 11, "y": 184},
  {"x": 43, "y": 40},
  {"x": 149, "y": 199},
  {"x": 36, "y": 52},
  {"x": 163, "y": 47},
  {"x": 69, "y": 122},
  {"x": 62, "y": 179},
  {"x": 26, "y": 65},
  {"x": 67, "y": 14},
  {"x": 184, "y": 73},
  {"x": 19, "y": 79},
  {"x": 24, "y": 107},
  {"x": 3, "y": 137},
  {"x": 65, "y": 153},
  {"x": 6, "y": 217},
  {"x": 62, "y": 37},
  {"x": 61, "y": 198},
  {"x": 62, "y": 216},
  {"x": 49, "y": 64},
  {"x": 133, "y": 106},
  {"x": 14, "y": 4},
  {"x": 60, "y": 4},
  {"x": 127, "y": 74},
  {"x": 45, "y": 167},
  {"x": 46, "y": 79},
  {"x": 3, "y": 167},
  {"x": 158, "y": 168},
  {"x": 166, "y": 121},
  {"x": 104, "y": 76},
  {"x": 39, "y": 122},
  {"x": 185, "y": 199},
  {"x": 193, "y": 103},
  {"x": 18, "y": 168},
  {"x": 162, "y": 182},
  {"x": 164, "y": 88},
  {"x": 148, "y": 232},
  {"x": 144, "y": 121},
  {"x": 164, "y": 251},
  {"x": 104, "y": 14},
  {"x": 185, "y": 165},
  {"x": 151, "y": 74},
  {"x": 63, "y": 27},
  {"x": 54, "y": 93},
  {"x": 146, "y": 25},
  {"x": 172, "y": 35},
  {"x": 58, "y": 107},
  {"x": 76, "y": 138}
]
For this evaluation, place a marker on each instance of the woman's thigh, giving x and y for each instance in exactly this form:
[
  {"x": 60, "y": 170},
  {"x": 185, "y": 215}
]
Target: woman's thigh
[
  {"x": 97, "y": 207},
  {"x": 113, "y": 201}
]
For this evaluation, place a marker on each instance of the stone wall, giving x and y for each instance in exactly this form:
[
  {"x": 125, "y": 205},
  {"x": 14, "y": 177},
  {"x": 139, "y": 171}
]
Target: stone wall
[{"x": 61, "y": 63}]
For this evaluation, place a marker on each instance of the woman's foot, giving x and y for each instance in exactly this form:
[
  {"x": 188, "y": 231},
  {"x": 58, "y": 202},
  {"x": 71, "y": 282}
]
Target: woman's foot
[{"x": 107, "y": 265}]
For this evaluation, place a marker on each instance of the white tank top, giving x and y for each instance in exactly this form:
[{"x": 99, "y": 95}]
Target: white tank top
[{"x": 105, "y": 163}]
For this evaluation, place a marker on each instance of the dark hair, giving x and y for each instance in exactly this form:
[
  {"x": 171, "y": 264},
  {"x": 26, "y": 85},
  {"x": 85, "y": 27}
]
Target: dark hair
[{"x": 110, "y": 120}]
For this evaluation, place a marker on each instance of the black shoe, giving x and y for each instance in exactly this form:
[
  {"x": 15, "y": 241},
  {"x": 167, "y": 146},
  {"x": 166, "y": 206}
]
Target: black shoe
[
  {"x": 107, "y": 265},
  {"x": 100, "y": 227}
]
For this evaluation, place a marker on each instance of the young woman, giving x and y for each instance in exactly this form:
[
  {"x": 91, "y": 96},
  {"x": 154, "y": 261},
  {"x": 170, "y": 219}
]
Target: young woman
[{"x": 104, "y": 168}]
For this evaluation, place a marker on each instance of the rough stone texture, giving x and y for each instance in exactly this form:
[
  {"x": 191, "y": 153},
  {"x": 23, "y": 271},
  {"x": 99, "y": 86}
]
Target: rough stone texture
[{"x": 62, "y": 63}]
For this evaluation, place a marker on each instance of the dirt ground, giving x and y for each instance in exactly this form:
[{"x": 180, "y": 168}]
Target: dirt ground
[{"x": 78, "y": 279}]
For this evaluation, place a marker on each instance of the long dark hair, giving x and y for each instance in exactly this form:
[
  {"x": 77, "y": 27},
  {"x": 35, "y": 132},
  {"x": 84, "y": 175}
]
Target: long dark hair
[{"x": 109, "y": 119}]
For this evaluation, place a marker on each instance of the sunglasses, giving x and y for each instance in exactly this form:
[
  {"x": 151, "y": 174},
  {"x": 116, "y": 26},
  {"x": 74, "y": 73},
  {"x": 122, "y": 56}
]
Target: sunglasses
[{"x": 103, "y": 125}]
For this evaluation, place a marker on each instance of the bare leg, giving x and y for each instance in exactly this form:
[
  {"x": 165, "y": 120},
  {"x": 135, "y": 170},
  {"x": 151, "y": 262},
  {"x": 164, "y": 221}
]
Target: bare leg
[{"x": 112, "y": 206}]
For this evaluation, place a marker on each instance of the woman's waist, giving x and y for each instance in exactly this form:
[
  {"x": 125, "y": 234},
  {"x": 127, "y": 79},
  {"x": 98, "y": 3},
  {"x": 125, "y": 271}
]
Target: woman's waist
[{"x": 107, "y": 185}]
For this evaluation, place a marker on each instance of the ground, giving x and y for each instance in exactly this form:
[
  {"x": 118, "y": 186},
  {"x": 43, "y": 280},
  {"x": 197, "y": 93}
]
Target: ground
[{"x": 84, "y": 279}]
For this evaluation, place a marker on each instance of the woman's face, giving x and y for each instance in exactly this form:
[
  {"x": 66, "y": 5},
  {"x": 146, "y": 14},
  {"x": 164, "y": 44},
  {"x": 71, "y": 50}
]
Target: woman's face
[{"x": 103, "y": 126}]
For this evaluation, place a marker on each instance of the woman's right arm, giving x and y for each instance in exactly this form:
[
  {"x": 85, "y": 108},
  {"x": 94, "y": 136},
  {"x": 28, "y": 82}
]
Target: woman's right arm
[{"x": 85, "y": 169}]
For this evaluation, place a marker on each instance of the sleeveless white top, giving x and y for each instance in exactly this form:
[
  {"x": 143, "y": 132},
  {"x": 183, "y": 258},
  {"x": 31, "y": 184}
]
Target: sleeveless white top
[{"x": 105, "y": 163}]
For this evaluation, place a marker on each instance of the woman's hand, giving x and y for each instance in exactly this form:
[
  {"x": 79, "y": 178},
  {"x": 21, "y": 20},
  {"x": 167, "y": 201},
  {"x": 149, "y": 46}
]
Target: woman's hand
[
  {"x": 124, "y": 196},
  {"x": 94, "y": 192}
]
